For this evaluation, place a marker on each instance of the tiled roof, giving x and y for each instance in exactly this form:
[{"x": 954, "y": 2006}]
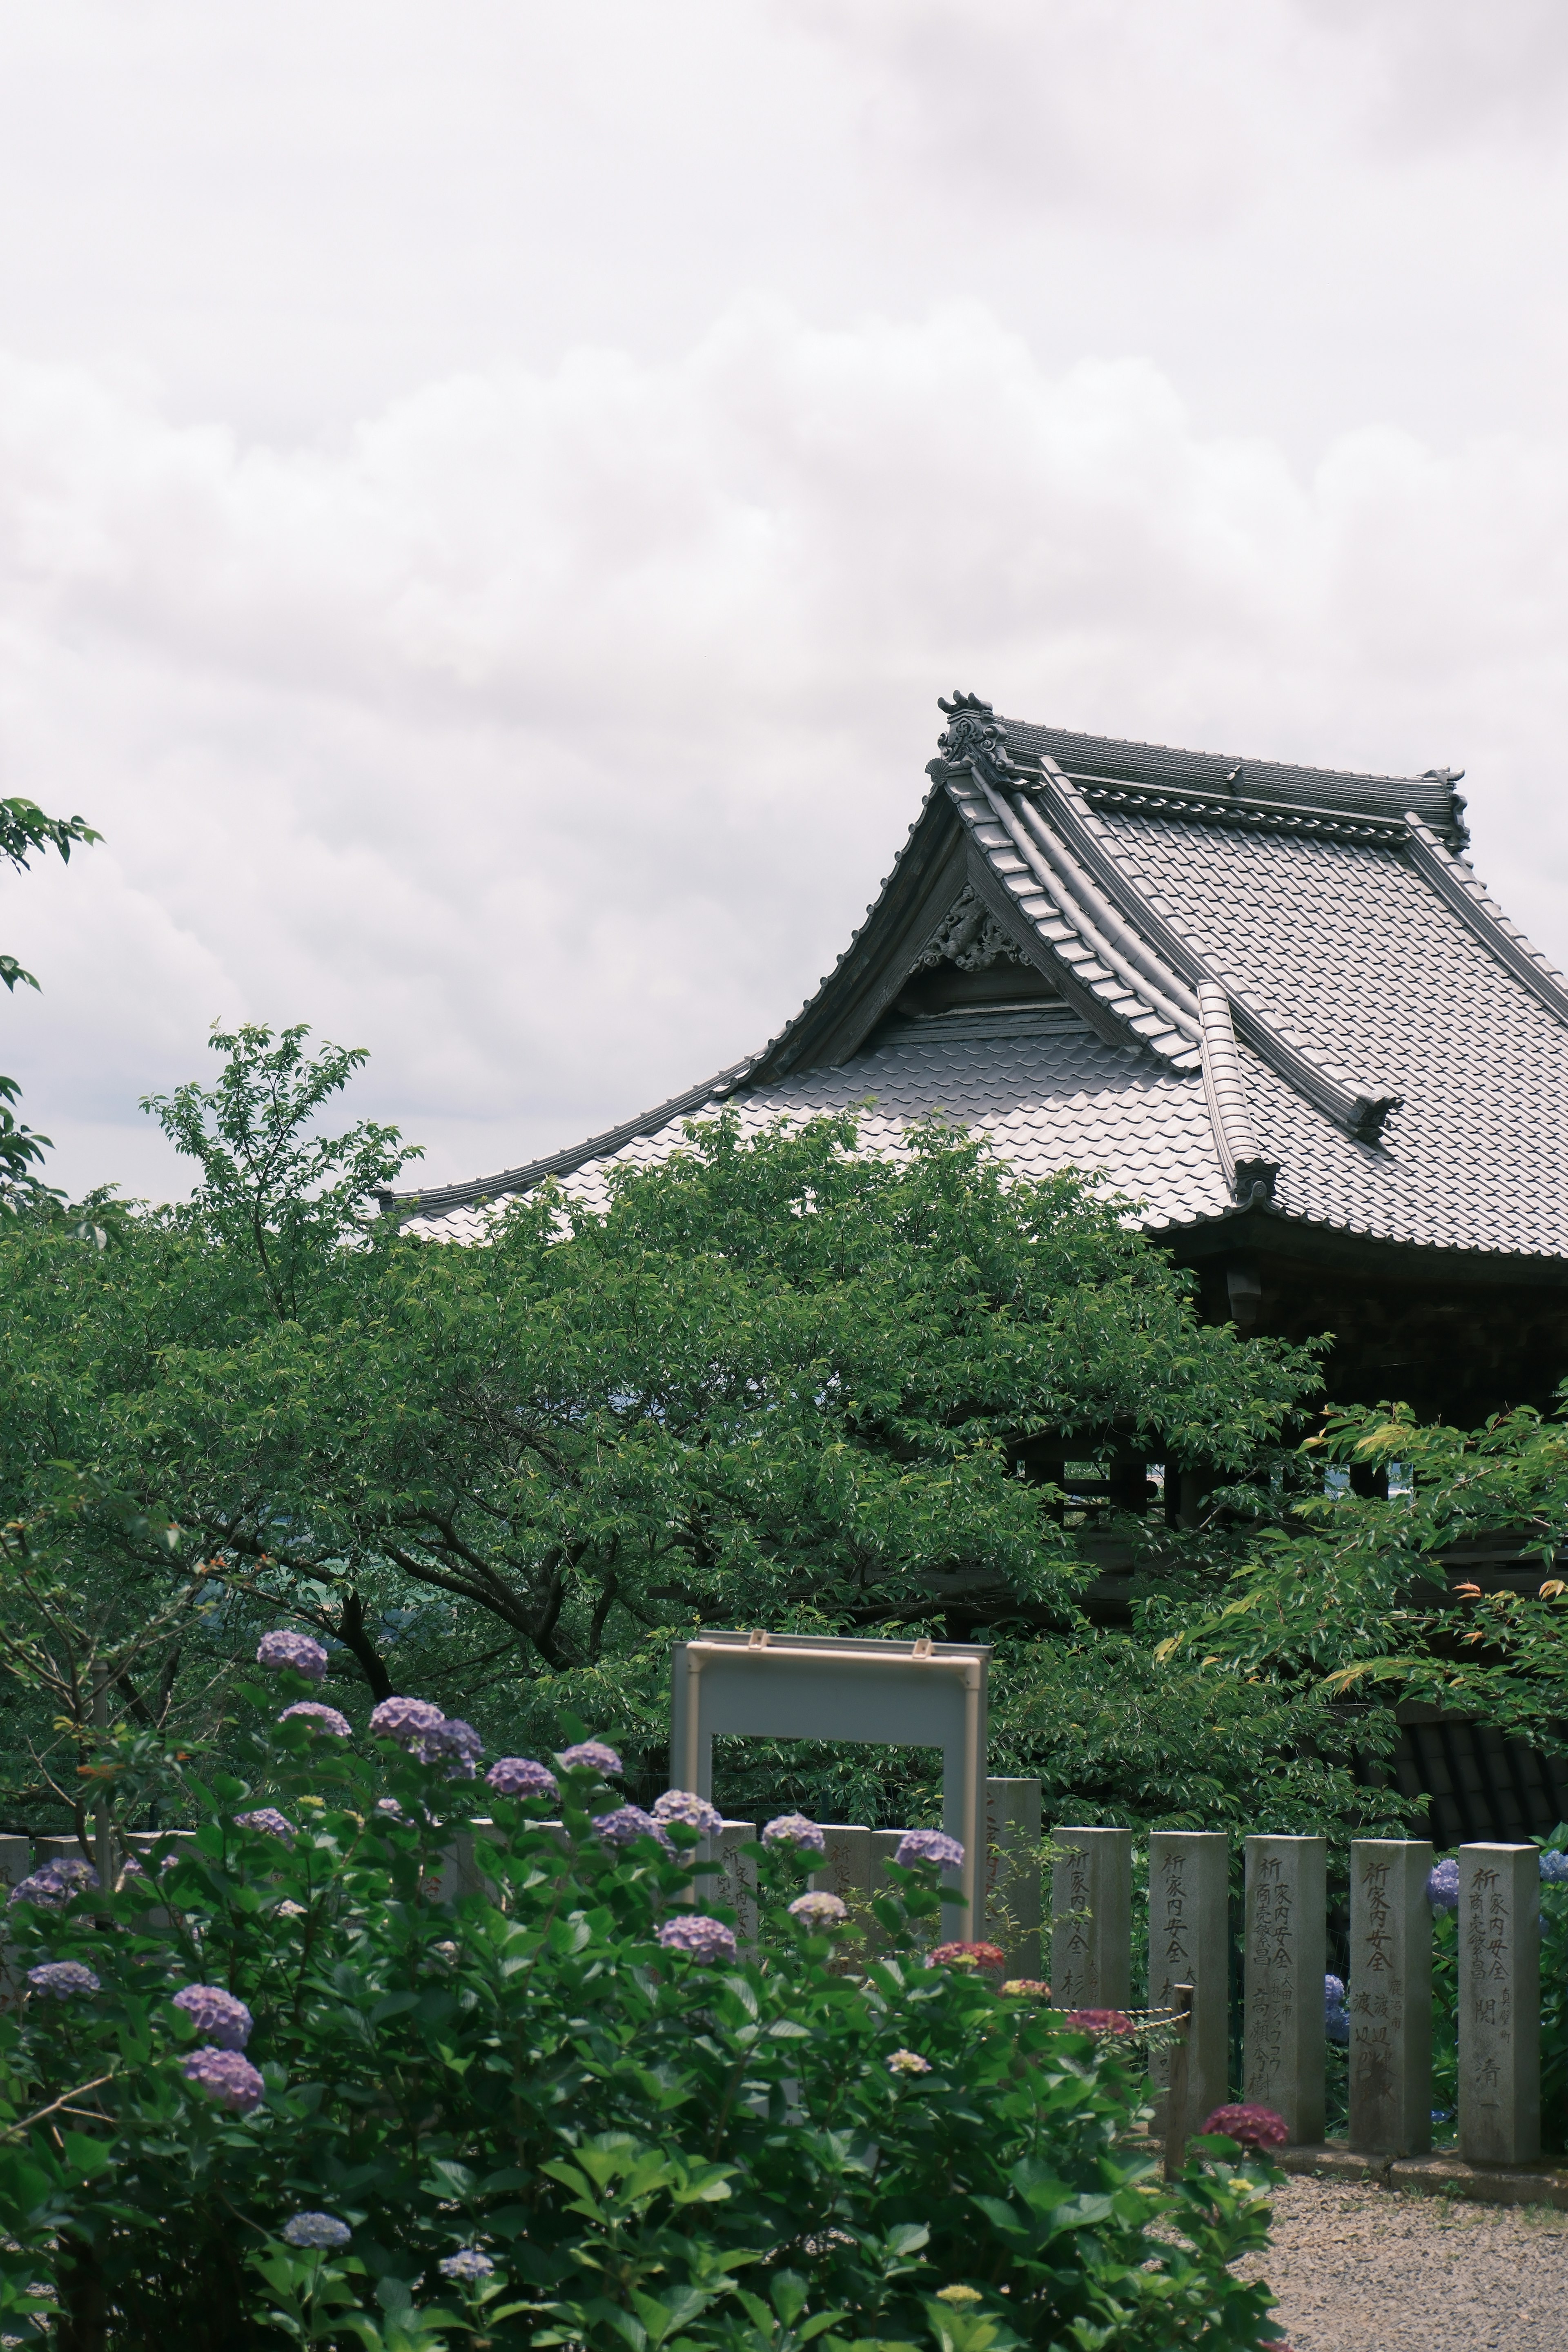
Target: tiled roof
[{"x": 1272, "y": 985}]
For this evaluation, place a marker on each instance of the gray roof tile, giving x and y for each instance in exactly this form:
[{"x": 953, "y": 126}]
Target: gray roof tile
[{"x": 1343, "y": 957}]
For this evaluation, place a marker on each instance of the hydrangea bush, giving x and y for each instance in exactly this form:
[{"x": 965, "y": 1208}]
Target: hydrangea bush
[{"x": 398, "y": 2080}]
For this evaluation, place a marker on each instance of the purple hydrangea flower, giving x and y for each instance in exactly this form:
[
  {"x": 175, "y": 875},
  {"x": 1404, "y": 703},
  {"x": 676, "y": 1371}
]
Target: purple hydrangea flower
[
  {"x": 53, "y": 1883},
  {"x": 703, "y": 1938},
  {"x": 315, "y": 2229},
  {"x": 229, "y": 2076},
  {"x": 409, "y": 1721},
  {"x": 391, "y": 1808},
  {"x": 519, "y": 1776},
  {"x": 591, "y": 1756},
  {"x": 682, "y": 1805},
  {"x": 815, "y": 1909},
  {"x": 928, "y": 1845},
  {"x": 1443, "y": 1885},
  {"x": 1336, "y": 2017},
  {"x": 467, "y": 2266},
  {"x": 225, "y": 2020},
  {"x": 626, "y": 1824},
  {"x": 266, "y": 1818},
  {"x": 793, "y": 1832},
  {"x": 312, "y": 1711},
  {"x": 458, "y": 1742},
  {"x": 1554, "y": 1869},
  {"x": 284, "y": 1648},
  {"x": 62, "y": 1977}
]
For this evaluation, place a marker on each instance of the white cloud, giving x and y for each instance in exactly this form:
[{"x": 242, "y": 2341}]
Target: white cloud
[
  {"x": 550, "y": 735},
  {"x": 487, "y": 499}
]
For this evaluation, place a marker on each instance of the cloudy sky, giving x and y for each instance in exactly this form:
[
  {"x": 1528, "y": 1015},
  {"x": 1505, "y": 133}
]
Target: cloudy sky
[{"x": 490, "y": 493}]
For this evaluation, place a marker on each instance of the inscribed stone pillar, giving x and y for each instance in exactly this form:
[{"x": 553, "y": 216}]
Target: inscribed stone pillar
[
  {"x": 1390, "y": 1998},
  {"x": 734, "y": 1883},
  {"x": 1189, "y": 1943},
  {"x": 1012, "y": 1874},
  {"x": 1499, "y": 2004},
  {"x": 1091, "y": 1918},
  {"x": 844, "y": 1869},
  {"x": 1287, "y": 1898}
]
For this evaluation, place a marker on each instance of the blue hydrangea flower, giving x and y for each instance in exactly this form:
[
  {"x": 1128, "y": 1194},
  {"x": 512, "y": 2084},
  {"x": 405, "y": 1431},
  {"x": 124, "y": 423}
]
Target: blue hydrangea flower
[
  {"x": 467, "y": 2266},
  {"x": 683, "y": 1805},
  {"x": 626, "y": 1824},
  {"x": 1336, "y": 2017},
  {"x": 1554, "y": 1869},
  {"x": 409, "y": 1721},
  {"x": 793, "y": 1832},
  {"x": 458, "y": 1742},
  {"x": 1443, "y": 1885},
  {"x": 928, "y": 1845},
  {"x": 285, "y": 1648},
  {"x": 268, "y": 1818},
  {"x": 702, "y": 1937},
  {"x": 61, "y": 1979},
  {"x": 53, "y": 1883},
  {"x": 315, "y": 2229},
  {"x": 519, "y": 1776},
  {"x": 216, "y": 2013},
  {"x": 228, "y": 2076},
  {"x": 591, "y": 1756}
]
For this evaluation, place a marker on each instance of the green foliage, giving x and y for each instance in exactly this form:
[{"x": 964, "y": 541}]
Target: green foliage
[
  {"x": 650, "y": 2148},
  {"x": 24, "y": 830},
  {"x": 274, "y": 1194},
  {"x": 1354, "y": 1592},
  {"x": 770, "y": 1382}
]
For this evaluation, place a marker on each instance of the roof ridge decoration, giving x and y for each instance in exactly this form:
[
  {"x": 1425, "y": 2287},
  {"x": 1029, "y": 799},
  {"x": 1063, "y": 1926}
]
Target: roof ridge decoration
[
  {"x": 970, "y": 937},
  {"x": 1102, "y": 968},
  {"x": 1088, "y": 910},
  {"x": 1462, "y": 891}
]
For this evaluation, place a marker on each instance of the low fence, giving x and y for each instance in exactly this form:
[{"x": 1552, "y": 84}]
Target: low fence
[{"x": 1389, "y": 1995}]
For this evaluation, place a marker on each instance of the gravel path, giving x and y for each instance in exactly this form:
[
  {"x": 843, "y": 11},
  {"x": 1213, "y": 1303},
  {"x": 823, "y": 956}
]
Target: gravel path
[{"x": 1368, "y": 2270}]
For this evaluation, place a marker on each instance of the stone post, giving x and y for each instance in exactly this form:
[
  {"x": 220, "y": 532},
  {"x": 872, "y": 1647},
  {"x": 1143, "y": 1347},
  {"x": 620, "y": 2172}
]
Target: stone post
[
  {"x": 844, "y": 1869},
  {"x": 734, "y": 1883},
  {"x": 1189, "y": 1943},
  {"x": 1091, "y": 1918},
  {"x": 1390, "y": 1998},
  {"x": 1011, "y": 1876},
  {"x": 1499, "y": 2004},
  {"x": 1287, "y": 1942}
]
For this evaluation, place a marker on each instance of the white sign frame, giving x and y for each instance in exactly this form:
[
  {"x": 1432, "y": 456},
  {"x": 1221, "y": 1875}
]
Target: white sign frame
[{"x": 916, "y": 1694}]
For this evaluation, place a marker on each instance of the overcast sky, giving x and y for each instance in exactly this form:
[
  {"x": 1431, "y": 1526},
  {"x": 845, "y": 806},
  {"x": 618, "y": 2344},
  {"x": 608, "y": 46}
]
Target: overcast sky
[{"x": 489, "y": 493}]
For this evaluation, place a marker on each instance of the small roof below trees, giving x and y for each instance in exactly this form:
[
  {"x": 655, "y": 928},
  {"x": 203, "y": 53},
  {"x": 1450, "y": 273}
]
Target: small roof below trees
[{"x": 1227, "y": 984}]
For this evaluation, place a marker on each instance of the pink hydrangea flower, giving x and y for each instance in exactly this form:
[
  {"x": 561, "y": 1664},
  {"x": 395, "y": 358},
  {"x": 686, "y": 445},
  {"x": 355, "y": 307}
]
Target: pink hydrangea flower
[{"x": 1251, "y": 2125}]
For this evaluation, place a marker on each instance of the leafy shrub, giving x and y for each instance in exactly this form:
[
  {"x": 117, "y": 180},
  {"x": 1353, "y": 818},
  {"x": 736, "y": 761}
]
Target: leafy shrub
[{"x": 498, "y": 2081}]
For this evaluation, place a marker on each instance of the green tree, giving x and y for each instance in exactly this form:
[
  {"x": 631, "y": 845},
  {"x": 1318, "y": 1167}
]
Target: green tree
[
  {"x": 24, "y": 830},
  {"x": 770, "y": 1381},
  {"x": 1367, "y": 1593}
]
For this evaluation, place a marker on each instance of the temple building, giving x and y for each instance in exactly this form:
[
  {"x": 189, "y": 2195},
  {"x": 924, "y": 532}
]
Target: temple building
[{"x": 1272, "y": 1004}]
